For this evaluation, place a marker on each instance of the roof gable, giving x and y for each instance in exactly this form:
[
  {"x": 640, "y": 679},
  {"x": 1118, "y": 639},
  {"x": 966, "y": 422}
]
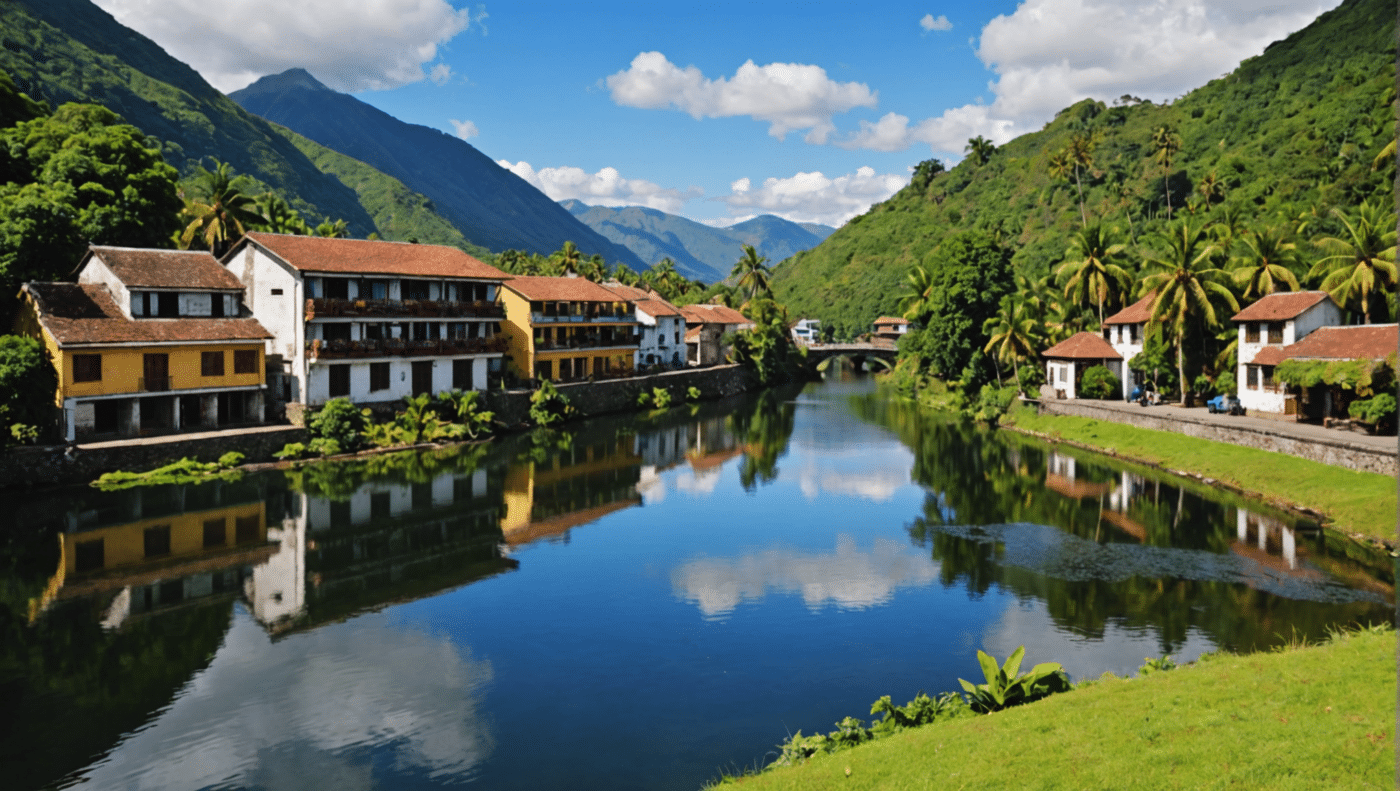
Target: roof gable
[
  {"x": 1137, "y": 313},
  {"x": 713, "y": 314},
  {"x": 369, "y": 257},
  {"x": 1281, "y": 306},
  {"x": 1360, "y": 342},
  {"x": 1083, "y": 346},
  {"x": 84, "y": 315},
  {"x": 188, "y": 270}
]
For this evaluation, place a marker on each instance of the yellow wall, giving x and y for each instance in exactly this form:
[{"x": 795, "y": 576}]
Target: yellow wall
[
  {"x": 125, "y": 545},
  {"x": 123, "y": 368},
  {"x": 521, "y": 344},
  {"x": 519, "y": 497}
]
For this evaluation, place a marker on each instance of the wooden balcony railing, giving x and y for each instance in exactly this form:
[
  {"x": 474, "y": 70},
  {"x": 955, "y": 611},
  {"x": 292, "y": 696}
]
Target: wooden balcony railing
[
  {"x": 398, "y": 347},
  {"x": 586, "y": 343},
  {"x": 325, "y": 307}
]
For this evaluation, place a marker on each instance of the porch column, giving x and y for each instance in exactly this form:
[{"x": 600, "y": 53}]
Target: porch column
[
  {"x": 209, "y": 410},
  {"x": 255, "y": 406},
  {"x": 129, "y": 417},
  {"x": 175, "y": 413}
]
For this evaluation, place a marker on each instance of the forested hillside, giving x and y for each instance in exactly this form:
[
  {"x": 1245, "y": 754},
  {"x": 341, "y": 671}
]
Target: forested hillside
[
  {"x": 1280, "y": 142},
  {"x": 71, "y": 51}
]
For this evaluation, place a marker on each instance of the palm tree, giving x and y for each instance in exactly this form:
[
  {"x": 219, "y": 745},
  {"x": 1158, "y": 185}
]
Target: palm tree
[
  {"x": 276, "y": 216},
  {"x": 223, "y": 214},
  {"x": 512, "y": 261},
  {"x": 1080, "y": 154},
  {"x": 1362, "y": 265},
  {"x": 1266, "y": 265},
  {"x": 664, "y": 278},
  {"x": 594, "y": 268},
  {"x": 913, "y": 300},
  {"x": 1211, "y": 188},
  {"x": 1166, "y": 143},
  {"x": 1091, "y": 273},
  {"x": 1187, "y": 283},
  {"x": 624, "y": 275},
  {"x": 981, "y": 149},
  {"x": 332, "y": 230},
  {"x": 1012, "y": 334},
  {"x": 752, "y": 269},
  {"x": 569, "y": 258}
]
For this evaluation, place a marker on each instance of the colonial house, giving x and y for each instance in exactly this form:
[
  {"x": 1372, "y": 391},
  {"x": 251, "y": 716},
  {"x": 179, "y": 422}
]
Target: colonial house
[
  {"x": 148, "y": 341},
  {"x": 1265, "y": 328},
  {"x": 1066, "y": 362},
  {"x": 1124, "y": 331},
  {"x": 807, "y": 331},
  {"x": 662, "y": 327},
  {"x": 371, "y": 321},
  {"x": 705, "y": 326},
  {"x": 568, "y": 328},
  {"x": 891, "y": 327},
  {"x": 1366, "y": 342}
]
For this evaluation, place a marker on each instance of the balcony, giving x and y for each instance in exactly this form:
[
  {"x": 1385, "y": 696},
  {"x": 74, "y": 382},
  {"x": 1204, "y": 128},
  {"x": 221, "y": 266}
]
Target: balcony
[
  {"x": 325, "y": 307},
  {"x": 398, "y": 347},
  {"x": 593, "y": 317},
  {"x": 593, "y": 342}
]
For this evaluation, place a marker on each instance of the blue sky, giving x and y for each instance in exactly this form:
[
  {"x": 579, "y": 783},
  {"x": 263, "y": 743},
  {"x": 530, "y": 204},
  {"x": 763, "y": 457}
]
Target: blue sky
[{"x": 721, "y": 111}]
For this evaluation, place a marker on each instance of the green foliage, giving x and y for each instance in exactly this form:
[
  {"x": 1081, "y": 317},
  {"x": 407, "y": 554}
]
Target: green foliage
[
  {"x": 1031, "y": 378},
  {"x": 1225, "y": 384},
  {"x": 1004, "y": 688},
  {"x": 661, "y": 397},
  {"x": 1099, "y": 382},
  {"x": 323, "y": 446},
  {"x": 922, "y": 710},
  {"x": 339, "y": 420},
  {"x": 644, "y": 399},
  {"x": 1156, "y": 364},
  {"x": 1156, "y": 666},
  {"x": 1361, "y": 376},
  {"x": 692, "y": 393},
  {"x": 767, "y": 349},
  {"x": 969, "y": 273},
  {"x": 992, "y": 403},
  {"x": 1379, "y": 411},
  {"x": 464, "y": 409},
  {"x": 291, "y": 450},
  {"x": 186, "y": 470},
  {"x": 28, "y": 383},
  {"x": 549, "y": 406},
  {"x": 231, "y": 459}
]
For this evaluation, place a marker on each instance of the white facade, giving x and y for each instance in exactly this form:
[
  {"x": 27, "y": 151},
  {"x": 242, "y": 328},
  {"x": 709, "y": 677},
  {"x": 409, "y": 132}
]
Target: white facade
[
  {"x": 807, "y": 331},
  {"x": 662, "y": 339},
  {"x": 1127, "y": 340},
  {"x": 1059, "y": 374},
  {"x": 1254, "y": 382}
]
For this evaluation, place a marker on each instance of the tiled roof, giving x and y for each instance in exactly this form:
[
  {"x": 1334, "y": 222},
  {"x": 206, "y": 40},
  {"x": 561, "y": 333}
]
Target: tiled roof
[
  {"x": 184, "y": 269},
  {"x": 648, "y": 301},
  {"x": 561, "y": 289},
  {"x": 1281, "y": 306},
  {"x": 1083, "y": 346},
  {"x": 693, "y": 335},
  {"x": 891, "y": 320},
  {"x": 1137, "y": 313},
  {"x": 1269, "y": 355},
  {"x": 365, "y": 257},
  {"x": 713, "y": 314},
  {"x": 1362, "y": 342},
  {"x": 78, "y": 315}
]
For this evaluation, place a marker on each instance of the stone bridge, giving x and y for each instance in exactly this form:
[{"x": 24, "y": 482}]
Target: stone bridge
[{"x": 857, "y": 353}]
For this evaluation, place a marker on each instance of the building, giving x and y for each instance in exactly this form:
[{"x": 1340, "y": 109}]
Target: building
[
  {"x": 705, "y": 328},
  {"x": 807, "y": 331},
  {"x": 1265, "y": 328},
  {"x": 662, "y": 339},
  {"x": 568, "y": 328},
  {"x": 148, "y": 341},
  {"x": 1366, "y": 342},
  {"x": 1066, "y": 361},
  {"x": 1125, "y": 331},
  {"x": 891, "y": 327},
  {"x": 371, "y": 321}
]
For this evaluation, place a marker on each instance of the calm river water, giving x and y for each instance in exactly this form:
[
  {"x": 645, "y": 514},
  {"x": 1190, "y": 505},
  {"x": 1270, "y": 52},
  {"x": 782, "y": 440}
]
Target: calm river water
[{"x": 639, "y": 602}]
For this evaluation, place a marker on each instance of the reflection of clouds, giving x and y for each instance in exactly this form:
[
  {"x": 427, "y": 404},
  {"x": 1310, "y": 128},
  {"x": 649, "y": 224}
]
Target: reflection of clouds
[
  {"x": 850, "y": 578},
  {"x": 652, "y": 486},
  {"x": 283, "y": 716},
  {"x": 698, "y": 482},
  {"x": 877, "y": 485}
]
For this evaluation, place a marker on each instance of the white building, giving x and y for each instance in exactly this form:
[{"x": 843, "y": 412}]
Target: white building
[
  {"x": 371, "y": 321},
  {"x": 1066, "y": 362},
  {"x": 1276, "y": 321},
  {"x": 807, "y": 331},
  {"x": 1124, "y": 331},
  {"x": 662, "y": 327},
  {"x": 892, "y": 327}
]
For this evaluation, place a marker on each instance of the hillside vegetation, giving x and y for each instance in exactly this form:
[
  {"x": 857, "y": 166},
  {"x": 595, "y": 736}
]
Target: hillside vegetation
[{"x": 1281, "y": 141}]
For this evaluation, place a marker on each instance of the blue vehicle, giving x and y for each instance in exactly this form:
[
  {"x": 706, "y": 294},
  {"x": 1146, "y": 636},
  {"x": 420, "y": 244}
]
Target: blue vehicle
[{"x": 1225, "y": 403}]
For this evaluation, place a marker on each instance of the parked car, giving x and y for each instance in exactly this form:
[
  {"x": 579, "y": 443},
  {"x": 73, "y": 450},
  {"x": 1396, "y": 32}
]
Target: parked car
[
  {"x": 1225, "y": 403},
  {"x": 1144, "y": 395}
]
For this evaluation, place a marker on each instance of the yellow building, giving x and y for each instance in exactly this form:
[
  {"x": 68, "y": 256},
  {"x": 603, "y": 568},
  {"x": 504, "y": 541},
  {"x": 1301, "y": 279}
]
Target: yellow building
[
  {"x": 568, "y": 328},
  {"x": 576, "y": 487},
  {"x": 148, "y": 341}
]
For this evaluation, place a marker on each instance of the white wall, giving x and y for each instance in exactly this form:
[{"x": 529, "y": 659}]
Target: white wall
[
  {"x": 1119, "y": 339},
  {"x": 400, "y": 378},
  {"x": 1060, "y": 375}
]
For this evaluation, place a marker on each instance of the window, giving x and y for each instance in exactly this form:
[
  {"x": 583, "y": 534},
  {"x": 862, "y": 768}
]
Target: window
[
  {"x": 339, "y": 380},
  {"x": 337, "y": 288},
  {"x": 1251, "y": 333},
  {"x": 376, "y": 289},
  {"x": 544, "y": 369},
  {"x": 276, "y": 292},
  {"x": 169, "y": 304},
  {"x": 157, "y": 541},
  {"x": 1132, "y": 333},
  {"x": 462, "y": 374},
  {"x": 1266, "y": 374},
  {"x": 211, "y": 363},
  {"x": 380, "y": 504},
  {"x": 245, "y": 361},
  {"x": 375, "y": 332},
  {"x": 90, "y": 555},
  {"x": 87, "y": 367},
  {"x": 1252, "y": 377},
  {"x": 378, "y": 376},
  {"x": 1275, "y": 332},
  {"x": 216, "y": 305},
  {"x": 415, "y": 289},
  {"x": 340, "y": 331},
  {"x": 214, "y": 532},
  {"x": 245, "y": 528}
]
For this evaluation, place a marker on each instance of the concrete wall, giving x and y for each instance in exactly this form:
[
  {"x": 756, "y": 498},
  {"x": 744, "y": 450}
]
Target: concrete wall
[
  {"x": 1338, "y": 452},
  {"x": 620, "y": 395}
]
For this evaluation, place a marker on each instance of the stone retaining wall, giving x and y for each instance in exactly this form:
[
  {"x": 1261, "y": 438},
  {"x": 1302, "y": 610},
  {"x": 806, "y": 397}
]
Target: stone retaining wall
[
  {"x": 512, "y": 407},
  {"x": 1338, "y": 452}
]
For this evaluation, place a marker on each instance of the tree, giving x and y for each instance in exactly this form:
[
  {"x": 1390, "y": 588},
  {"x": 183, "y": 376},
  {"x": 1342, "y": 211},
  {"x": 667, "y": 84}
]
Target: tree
[
  {"x": 624, "y": 275},
  {"x": 968, "y": 273},
  {"x": 913, "y": 300},
  {"x": 1012, "y": 333},
  {"x": 752, "y": 270},
  {"x": 332, "y": 229},
  {"x": 1080, "y": 154},
  {"x": 276, "y": 216},
  {"x": 1091, "y": 274},
  {"x": 569, "y": 258},
  {"x": 594, "y": 268},
  {"x": 664, "y": 278},
  {"x": 981, "y": 149},
  {"x": 767, "y": 349},
  {"x": 27, "y": 384},
  {"x": 1266, "y": 265},
  {"x": 1187, "y": 284},
  {"x": 1362, "y": 265},
  {"x": 1211, "y": 189},
  {"x": 1165, "y": 144},
  {"x": 220, "y": 213}
]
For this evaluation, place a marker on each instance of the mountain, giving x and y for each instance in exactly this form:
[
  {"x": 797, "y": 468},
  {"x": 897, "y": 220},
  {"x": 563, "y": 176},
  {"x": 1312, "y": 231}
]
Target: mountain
[
  {"x": 700, "y": 251},
  {"x": 72, "y": 51},
  {"x": 1286, "y": 137},
  {"x": 488, "y": 203}
]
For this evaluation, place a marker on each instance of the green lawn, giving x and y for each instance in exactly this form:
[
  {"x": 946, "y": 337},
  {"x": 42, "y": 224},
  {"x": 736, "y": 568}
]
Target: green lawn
[
  {"x": 1315, "y": 717},
  {"x": 1360, "y": 502}
]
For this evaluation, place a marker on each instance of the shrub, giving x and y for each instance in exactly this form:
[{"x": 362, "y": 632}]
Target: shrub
[
  {"x": 644, "y": 399},
  {"x": 28, "y": 382},
  {"x": 1032, "y": 377},
  {"x": 231, "y": 459},
  {"x": 1156, "y": 666},
  {"x": 1005, "y": 689},
  {"x": 464, "y": 410},
  {"x": 549, "y": 406},
  {"x": 1225, "y": 384},
  {"x": 692, "y": 393},
  {"x": 292, "y": 450},
  {"x": 338, "y": 420},
  {"x": 992, "y": 403},
  {"x": 1099, "y": 382},
  {"x": 324, "y": 446},
  {"x": 661, "y": 397},
  {"x": 1379, "y": 410}
]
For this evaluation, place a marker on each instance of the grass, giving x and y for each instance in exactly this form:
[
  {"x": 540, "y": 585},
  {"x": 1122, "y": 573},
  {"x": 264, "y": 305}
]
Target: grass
[
  {"x": 1319, "y": 716},
  {"x": 1360, "y": 502}
]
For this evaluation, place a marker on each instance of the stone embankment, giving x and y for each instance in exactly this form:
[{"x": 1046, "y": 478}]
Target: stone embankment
[{"x": 1329, "y": 446}]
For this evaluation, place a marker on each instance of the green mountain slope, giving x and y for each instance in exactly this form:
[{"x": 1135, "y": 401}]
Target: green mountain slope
[
  {"x": 71, "y": 51},
  {"x": 1289, "y": 135}
]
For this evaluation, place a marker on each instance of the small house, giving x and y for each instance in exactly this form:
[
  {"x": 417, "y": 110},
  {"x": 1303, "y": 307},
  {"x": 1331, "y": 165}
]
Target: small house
[
  {"x": 1066, "y": 361},
  {"x": 1265, "y": 328},
  {"x": 1125, "y": 332},
  {"x": 891, "y": 327}
]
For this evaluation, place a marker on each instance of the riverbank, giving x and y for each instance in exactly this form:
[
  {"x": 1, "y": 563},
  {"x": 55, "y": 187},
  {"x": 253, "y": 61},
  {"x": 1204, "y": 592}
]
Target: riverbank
[
  {"x": 1360, "y": 504},
  {"x": 1321, "y": 716}
]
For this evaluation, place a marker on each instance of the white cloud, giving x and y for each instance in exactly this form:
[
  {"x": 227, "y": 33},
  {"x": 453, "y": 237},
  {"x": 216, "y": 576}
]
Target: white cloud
[
  {"x": 929, "y": 23},
  {"x": 377, "y": 44},
  {"x": 789, "y": 96},
  {"x": 607, "y": 187},
  {"x": 440, "y": 73},
  {"x": 1045, "y": 58},
  {"x": 812, "y": 197},
  {"x": 464, "y": 129}
]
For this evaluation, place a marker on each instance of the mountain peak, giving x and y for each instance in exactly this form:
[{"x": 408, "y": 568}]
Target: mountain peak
[{"x": 291, "y": 78}]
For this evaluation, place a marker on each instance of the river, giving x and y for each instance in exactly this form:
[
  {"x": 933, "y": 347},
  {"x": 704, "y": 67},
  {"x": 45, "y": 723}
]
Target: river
[{"x": 636, "y": 602}]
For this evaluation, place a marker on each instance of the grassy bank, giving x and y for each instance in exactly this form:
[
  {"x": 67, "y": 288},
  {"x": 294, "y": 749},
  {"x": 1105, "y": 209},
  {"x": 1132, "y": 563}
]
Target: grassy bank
[
  {"x": 1315, "y": 717},
  {"x": 1357, "y": 502}
]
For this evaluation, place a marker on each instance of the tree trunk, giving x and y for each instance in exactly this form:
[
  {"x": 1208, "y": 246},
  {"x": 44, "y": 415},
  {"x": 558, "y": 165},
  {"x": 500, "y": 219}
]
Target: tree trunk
[
  {"x": 1181, "y": 370},
  {"x": 1083, "y": 218},
  {"x": 1167, "y": 188}
]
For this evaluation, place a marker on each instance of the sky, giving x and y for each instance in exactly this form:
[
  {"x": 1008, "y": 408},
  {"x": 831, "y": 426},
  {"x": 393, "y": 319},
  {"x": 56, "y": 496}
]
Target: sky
[{"x": 722, "y": 111}]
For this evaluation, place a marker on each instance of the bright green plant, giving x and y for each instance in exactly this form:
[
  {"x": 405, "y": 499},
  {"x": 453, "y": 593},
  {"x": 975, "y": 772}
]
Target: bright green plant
[
  {"x": 324, "y": 446},
  {"x": 185, "y": 470},
  {"x": 549, "y": 406},
  {"x": 418, "y": 422},
  {"x": 27, "y": 386},
  {"x": 464, "y": 409},
  {"x": 922, "y": 710},
  {"x": 231, "y": 459},
  {"x": 1156, "y": 666},
  {"x": 1225, "y": 383},
  {"x": 292, "y": 450},
  {"x": 661, "y": 397},
  {"x": 1004, "y": 688},
  {"x": 339, "y": 420},
  {"x": 1099, "y": 382},
  {"x": 1379, "y": 410},
  {"x": 644, "y": 399},
  {"x": 692, "y": 393}
]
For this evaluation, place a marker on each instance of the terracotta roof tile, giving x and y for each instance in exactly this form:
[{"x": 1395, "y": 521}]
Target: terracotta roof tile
[
  {"x": 1137, "y": 313},
  {"x": 365, "y": 257},
  {"x": 183, "y": 269},
  {"x": 648, "y": 301},
  {"x": 1362, "y": 342},
  {"x": 561, "y": 289},
  {"x": 713, "y": 314},
  {"x": 693, "y": 335},
  {"x": 891, "y": 320},
  {"x": 1083, "y": 346},
  {"x": 1269, "y": 355},
  {"x": 1281, "y": 306},
  {"x": 77, "y": 315}
]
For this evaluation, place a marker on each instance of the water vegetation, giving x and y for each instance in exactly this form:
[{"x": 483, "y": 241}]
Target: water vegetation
[{"x": 185, "y": 470}]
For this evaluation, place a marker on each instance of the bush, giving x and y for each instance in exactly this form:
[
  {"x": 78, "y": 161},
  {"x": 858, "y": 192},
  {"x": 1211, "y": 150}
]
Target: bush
[
  {"x": 1032, "y": 377},
  {"x": 992, "y": 403},
  {"x": 324, "y": 446},
  {"x": 338, "y": 420},
  {"x": 692, "y": 393},
  {"x": 661, "y": 397},
  {"x": 1225, "y": 384},
  {"x": 28, "y": 383},
  {"x": 292, "y": 450},
  {"x": 549, "y": 406},
  {"x": 1005, "y": 689},
  {"x": 1099, "y": 382},
  {"x": 1379, "y": 411},
  {"x": 231, "y": 459}
]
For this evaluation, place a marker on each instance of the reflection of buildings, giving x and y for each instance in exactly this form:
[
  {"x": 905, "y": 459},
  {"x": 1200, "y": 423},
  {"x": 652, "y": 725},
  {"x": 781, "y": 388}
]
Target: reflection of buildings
[{"x": 576, "y": 486}]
